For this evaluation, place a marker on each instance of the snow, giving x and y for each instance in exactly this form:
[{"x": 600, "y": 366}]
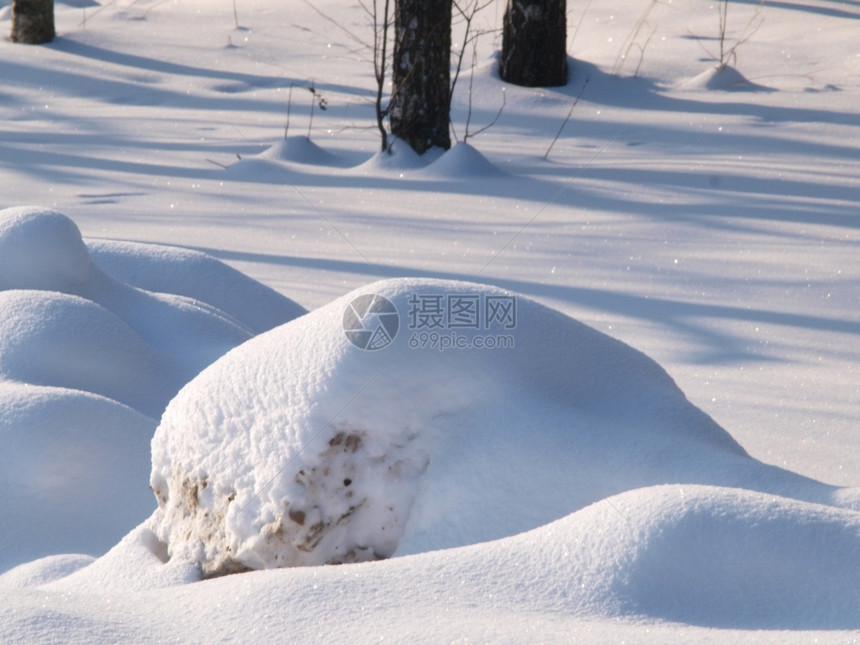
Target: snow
[
  {"x": 70, "y": 471},
  {"x": 300, "y": 448},
  {"x": 726, "y": 78},
  {"x": 87, "y": 365},
  {"x": 565, "y": 487}
]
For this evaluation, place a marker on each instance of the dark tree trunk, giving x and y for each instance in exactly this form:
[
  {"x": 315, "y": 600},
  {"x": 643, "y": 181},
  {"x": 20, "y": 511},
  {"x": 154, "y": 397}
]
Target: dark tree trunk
[
  {"x": 534, "y": 43},
  {"x": 420, "y": 106},
  {"x": 32, "y": 21}
]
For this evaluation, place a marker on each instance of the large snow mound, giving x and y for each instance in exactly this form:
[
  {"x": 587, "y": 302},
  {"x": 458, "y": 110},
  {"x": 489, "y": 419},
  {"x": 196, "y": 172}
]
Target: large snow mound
[
  {"x": 305, "y": 447},
  {"x": 734, "y": 558}
]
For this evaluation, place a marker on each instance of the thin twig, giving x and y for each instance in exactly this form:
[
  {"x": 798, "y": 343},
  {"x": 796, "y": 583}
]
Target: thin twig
[
  {"x": 289, "y": 107},
  {"x": 566, "y": 119}
]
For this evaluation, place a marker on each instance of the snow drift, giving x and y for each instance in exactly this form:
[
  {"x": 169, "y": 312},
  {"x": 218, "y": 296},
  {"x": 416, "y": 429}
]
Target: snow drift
[
  {"x": 65, "y": 322},
  {"x": 88, "y": 362},
  {"x": 42, "y": 250},
  {"x": 302, "y": 448},
  {"x": 73, "y": 471}
]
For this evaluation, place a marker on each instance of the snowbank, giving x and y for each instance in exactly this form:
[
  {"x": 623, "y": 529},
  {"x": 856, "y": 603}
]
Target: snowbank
[
  {"x": 712, "y": 557},
  {"x": 88, "y": 362},
  {"x": 300, "y": 447}
]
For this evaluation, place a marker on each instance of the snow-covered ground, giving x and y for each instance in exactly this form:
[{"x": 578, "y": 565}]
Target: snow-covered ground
[{"x": 559, "y": 486}]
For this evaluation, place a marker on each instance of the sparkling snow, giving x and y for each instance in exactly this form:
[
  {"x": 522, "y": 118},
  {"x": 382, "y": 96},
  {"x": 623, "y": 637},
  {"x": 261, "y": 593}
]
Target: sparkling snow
[{"x": 667, "y": 451}]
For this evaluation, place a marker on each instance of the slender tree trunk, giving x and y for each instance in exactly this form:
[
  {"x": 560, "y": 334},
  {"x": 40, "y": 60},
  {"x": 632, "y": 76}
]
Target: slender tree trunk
[
  {"x": 32, "y": 21},
  {"x": 534, "y": 43},
  {"x": 421, "y": 75}
]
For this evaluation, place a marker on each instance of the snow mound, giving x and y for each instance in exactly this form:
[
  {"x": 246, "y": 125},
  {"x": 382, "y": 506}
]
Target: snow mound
[
  {"x": 76, "y": 347},
  {"x": 51, "y": 338},
  {"x": 44, "y": 570},
  {"x": 302, "y": 448},
  {"x": 462, "y": 161},
  {"x": 41, "y": 249},
  {"x": 195, "y": 275},
  {"x": 704, "y": 555},
  {"x": 138, "y": 562},
  {"x": 725, "y": 557},
  {"x": 72, "y": 471},
  {"x": 399, "y": 157},
  {"x": 68, "y": 323},
  {"x": 301, "y": 149},
  {"x": 725, "y": 78}
]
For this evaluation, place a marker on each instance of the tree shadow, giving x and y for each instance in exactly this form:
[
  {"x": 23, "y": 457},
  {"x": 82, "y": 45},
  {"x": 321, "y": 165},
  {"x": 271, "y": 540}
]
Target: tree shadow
[{"x": 721, "y": 346}]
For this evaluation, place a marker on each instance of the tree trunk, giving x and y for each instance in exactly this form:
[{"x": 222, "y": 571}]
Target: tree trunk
[
  {"x": 420, "y": 106},
  {"x": 534, "y": 43},
  {"x": 32, "y": 21}
]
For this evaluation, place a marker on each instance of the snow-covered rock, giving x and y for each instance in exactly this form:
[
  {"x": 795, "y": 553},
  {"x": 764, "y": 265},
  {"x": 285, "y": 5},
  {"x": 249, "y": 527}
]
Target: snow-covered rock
[{"x": 302, "y": 448}]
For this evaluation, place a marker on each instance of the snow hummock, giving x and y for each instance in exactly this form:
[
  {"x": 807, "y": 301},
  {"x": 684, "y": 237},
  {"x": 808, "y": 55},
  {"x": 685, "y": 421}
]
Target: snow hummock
[
  {"x": 462, "y": 161},
  {"x": 68, "y": 323},
  {"x": 300, "y": 149},
  {"x": 397, "y": 157},
  {"x": 88, "y": 363},
  {"x": 299, "y": 448},
  {"x": 42, "y": 249},
  {"x": 73, "y": 471},
  {"x": 722, "y": 77},
  {"x": 196, "y": 275}
]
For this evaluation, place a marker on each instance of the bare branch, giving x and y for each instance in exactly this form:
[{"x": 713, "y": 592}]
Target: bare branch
[{"x": 353, "y": 36}]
